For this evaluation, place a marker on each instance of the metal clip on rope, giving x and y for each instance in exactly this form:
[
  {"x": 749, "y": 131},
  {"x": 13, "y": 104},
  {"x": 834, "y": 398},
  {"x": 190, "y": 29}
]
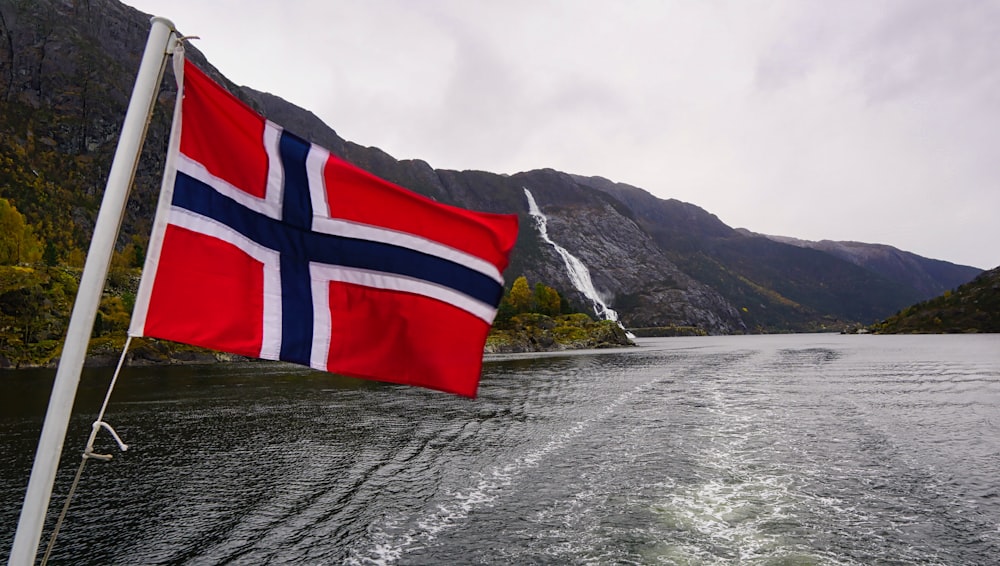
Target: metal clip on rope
[{"x": 89, "y": 451}]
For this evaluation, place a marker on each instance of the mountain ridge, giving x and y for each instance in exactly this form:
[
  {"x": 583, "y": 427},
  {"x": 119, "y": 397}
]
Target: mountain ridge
[
  {"x": 929, "y": 276},
  {"x": 659, "y": 262}
]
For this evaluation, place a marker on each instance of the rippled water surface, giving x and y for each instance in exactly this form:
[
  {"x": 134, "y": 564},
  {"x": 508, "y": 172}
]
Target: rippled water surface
[{"x": 804, "y": 449}]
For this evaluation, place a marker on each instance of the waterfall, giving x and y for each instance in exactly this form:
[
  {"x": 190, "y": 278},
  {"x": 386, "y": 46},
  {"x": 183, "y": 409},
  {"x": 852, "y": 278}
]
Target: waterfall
[{"x": 579, "y": 275}]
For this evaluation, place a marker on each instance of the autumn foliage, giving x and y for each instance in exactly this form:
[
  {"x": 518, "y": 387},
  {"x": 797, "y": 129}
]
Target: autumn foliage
[{"x": 521, "y": 299}]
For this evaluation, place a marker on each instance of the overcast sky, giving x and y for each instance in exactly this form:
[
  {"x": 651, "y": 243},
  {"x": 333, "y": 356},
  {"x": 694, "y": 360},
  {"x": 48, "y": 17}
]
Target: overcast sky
[{"x": 867, "y": 120}]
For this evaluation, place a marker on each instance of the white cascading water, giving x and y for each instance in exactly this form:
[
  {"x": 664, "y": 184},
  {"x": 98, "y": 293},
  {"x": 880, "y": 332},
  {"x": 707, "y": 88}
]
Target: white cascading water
[{"x": 579, "y": 275}]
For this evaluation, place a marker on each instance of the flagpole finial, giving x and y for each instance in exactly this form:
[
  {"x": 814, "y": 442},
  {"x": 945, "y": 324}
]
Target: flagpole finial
[{"x": 164, "y": 21}]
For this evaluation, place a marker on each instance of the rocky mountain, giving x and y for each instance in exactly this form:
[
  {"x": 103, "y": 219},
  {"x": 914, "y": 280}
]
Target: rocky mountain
[
  {"x": 66, "y": 69},
  {"x": 778, "y": 284},
  {"x": 972, "y": 307},
  {"x": 930, "y": 277}
]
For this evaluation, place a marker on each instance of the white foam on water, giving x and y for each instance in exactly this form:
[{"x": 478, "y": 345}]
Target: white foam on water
[
  {"x": 729, "y": 516},
  {"x": 493, "y": 484}
]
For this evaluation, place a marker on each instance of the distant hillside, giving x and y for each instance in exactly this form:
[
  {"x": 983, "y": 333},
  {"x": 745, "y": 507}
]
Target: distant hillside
[
  {"x": 973, "y": 307},
  {"x": 929, "y": 277}
]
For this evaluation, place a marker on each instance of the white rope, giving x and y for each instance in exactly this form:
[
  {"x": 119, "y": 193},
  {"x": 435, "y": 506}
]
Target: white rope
[{"x": 88, "y": 452}]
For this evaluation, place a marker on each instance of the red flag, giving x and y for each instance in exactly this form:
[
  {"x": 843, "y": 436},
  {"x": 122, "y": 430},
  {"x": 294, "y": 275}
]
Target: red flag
[{"x": 268, "y": 246}]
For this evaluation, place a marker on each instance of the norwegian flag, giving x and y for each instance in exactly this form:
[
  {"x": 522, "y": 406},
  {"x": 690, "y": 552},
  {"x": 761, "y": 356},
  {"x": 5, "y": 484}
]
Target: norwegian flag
[{"x": 268, "y": 246}]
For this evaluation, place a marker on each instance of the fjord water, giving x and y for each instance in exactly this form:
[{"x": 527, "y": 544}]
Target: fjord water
[{"x": 802, "y": 449}]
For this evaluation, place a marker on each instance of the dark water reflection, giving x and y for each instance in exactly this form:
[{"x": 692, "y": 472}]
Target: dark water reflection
[{"x": 769, "y": 450}]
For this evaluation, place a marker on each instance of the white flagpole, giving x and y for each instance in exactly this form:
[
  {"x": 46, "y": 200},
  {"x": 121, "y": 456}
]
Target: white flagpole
[{"x": 95, "y": 272}]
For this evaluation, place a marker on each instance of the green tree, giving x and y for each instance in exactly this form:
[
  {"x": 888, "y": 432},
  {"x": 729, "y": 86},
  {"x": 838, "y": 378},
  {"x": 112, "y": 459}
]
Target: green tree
[
  {"x": 139, "y": 255},
  {"x": 114, "y": 315},
  {"x": 18, "y": 243},
  {"x": 520, "y": 295},
  {"x": 546, "y": 300},
  {"x": 25, "y": 306},
  {"x": 51, "y": 255}
]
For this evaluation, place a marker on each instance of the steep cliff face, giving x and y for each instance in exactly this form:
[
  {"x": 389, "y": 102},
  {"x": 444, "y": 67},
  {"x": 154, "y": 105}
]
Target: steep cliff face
[
  {"x": 66, "y": 70},
  {"x": 66, "y": 75},
  {"x": 631, "y": 272},
  {"x": 635, "y": 277}
]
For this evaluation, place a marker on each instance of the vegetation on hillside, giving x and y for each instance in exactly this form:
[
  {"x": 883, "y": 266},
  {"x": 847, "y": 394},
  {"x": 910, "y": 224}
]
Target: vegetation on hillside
[
  {"x": 35, "y": 305},
  {"x": 539, "y": 319},
  {"x": 973, "y": 307},
  {"x": 37, "y": 288},
  {"x": 53, "y": 191},
  {"x": 18, "y": 243},
  {"x": 36, "y": 301},
  {"x": 521, "y": 299}
]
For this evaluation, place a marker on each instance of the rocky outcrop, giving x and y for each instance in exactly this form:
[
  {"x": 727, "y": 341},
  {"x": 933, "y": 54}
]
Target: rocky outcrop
[{"x": 532, "y": 332}]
